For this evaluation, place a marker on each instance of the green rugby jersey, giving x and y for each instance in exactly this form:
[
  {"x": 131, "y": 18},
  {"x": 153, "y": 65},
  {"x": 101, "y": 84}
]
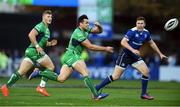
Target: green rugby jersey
[
  {"x": 43, "y": 36},
  {"x": 77, "y": 37}
]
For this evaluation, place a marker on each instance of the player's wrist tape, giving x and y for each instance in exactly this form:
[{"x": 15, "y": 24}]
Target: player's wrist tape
[{"x": 37, "y": 45}]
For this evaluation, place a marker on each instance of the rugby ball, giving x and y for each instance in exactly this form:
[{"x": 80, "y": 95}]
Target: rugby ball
[{"x": 171, "y": 24}]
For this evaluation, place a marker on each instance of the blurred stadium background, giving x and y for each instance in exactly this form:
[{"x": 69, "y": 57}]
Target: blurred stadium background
[{"x": 18, "y": 17}]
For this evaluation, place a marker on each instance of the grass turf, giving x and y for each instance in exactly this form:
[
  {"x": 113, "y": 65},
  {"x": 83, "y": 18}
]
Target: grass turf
[{"x": 74, "y": 93}]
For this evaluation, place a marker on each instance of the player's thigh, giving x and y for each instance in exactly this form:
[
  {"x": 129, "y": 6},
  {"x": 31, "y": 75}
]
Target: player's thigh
[
  {"x": 118, "y": 70},
  {"x": 46, "y": 62},
  {"x": 65, "y": 73},
  {"x": 25, "y": 66},
  {"x": 141, "y": 67},
  {"x": 122, "y": 62},
  {"x": 80, "y": 66}
]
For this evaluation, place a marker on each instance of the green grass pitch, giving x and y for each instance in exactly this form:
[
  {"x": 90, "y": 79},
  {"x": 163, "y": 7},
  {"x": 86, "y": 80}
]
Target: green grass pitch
[{"x": 74, "y": 93}]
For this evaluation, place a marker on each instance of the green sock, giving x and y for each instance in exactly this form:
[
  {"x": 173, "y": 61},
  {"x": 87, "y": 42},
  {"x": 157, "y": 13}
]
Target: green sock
[
  {"x": 14, "y": 77},
  {"x": 44, "y": 79},
  {"x": 90, "y": 85},
  {"x": 49, "y": 74}
]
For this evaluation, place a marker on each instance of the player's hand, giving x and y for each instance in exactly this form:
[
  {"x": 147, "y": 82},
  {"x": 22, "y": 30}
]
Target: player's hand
[
  {"x": 162, "y": 56},
  {"x": 40, "y": 50},
  {"x": 136, "y": 52},
  {"x": 53, "y": 42},
  {"x": 109, "y": 49}
]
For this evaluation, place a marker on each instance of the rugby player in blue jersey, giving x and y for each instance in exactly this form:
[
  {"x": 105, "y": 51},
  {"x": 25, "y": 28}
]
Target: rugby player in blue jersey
[{"x": 130, "y": 55}]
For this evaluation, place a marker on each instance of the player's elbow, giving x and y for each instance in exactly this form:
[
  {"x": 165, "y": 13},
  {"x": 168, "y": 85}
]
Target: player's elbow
[
  {"x": 123, "y": 43},
  {"x": 30, "y": 36},
  {"x": 152, "y": 44}
]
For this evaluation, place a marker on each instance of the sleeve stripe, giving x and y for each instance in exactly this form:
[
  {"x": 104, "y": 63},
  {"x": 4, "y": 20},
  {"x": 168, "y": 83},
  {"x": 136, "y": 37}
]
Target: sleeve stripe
[
  {"x": 36, "y": 30},
  {"x": 126, "y": 37},
  {"x": 82, "y": 40}
]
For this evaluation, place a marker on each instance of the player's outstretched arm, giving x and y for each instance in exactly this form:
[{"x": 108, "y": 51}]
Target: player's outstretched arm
[
  {"x": 97, "y": 29},
  {"x": 93, "y": 47},
  {"x": 156, "y": 49}
]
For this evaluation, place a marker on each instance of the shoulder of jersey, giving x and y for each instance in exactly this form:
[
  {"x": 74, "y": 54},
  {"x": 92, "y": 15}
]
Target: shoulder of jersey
[{"x": 134, "y": 29}]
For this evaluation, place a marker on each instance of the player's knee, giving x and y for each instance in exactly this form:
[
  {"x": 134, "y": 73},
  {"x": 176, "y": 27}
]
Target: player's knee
[
  {"x": 146, "y": 73},
  {"x": 51, "y": 68},
  {"x": 21, "y": 73},
  {"x": 61, "y": 79},
  {"x": 115, "y": 77}
]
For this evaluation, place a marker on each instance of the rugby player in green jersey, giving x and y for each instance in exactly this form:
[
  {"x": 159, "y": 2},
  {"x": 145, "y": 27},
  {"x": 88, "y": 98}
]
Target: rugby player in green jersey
[
  {"x": 39, "y": 37},
  {"x": 72, "y": 57}
]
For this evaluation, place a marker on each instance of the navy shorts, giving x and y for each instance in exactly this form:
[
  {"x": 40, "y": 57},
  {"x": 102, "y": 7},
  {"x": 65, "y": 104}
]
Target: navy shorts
[{"x": 124, "y": 59}]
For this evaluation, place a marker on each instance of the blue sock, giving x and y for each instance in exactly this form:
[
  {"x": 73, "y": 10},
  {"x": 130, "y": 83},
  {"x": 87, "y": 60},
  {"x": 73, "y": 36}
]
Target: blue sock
[
  {"x": 106, "y": 81},
  {"x": 144, "y": 80}
]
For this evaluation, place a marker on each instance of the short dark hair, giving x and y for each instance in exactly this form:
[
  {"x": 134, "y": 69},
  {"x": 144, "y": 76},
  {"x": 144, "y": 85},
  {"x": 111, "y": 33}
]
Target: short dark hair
[
  {"x": 81, "y": 18},
  {"x": 47, "y": 12},
  {"x": 140, "y": 18}
]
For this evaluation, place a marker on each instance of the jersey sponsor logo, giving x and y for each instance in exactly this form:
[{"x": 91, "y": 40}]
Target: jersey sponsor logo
[
  {"x": 137, "y": 35},
  {"x": 79, "y": 34},
  {"x": 47, "y": 33}
]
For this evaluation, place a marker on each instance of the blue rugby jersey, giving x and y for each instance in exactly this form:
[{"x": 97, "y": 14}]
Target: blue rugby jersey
[{"x": 136, "y": 39}]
